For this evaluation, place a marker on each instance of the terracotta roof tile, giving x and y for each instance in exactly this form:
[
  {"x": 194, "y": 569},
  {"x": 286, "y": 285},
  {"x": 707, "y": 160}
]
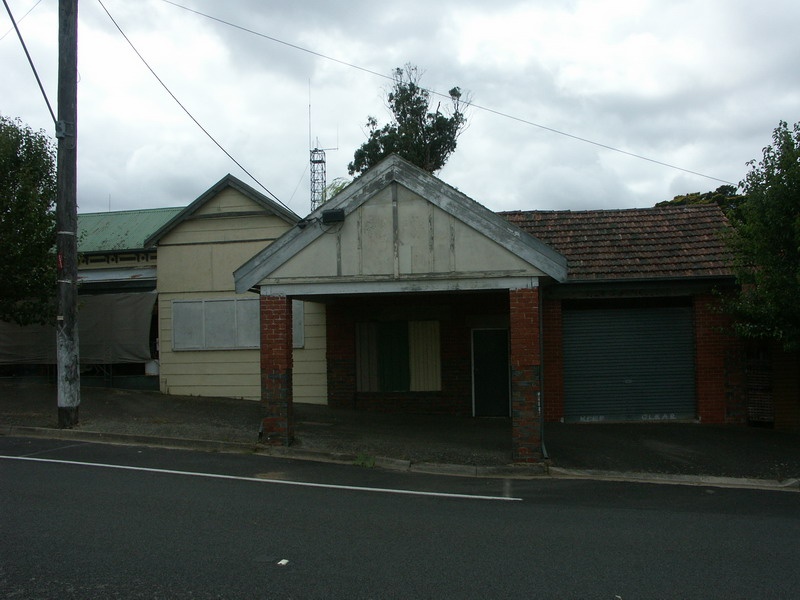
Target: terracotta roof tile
[{"x": 639, "y": 243}]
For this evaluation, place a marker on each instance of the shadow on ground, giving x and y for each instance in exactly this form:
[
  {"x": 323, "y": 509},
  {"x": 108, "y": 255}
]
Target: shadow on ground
[{"x": 668, "y": 448}]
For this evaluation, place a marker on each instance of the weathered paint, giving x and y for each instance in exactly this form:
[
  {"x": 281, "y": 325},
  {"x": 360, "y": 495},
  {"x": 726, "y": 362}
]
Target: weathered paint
[
  {"x": 402, "y": 238},
  {"x": 196, "y": 260},
  {"x": 400, "y": 224},
  {"x": 120, "y": 230}
]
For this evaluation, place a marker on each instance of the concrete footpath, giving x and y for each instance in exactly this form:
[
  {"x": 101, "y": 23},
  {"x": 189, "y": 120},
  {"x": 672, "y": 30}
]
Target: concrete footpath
[{"x": 677, "y": 453}]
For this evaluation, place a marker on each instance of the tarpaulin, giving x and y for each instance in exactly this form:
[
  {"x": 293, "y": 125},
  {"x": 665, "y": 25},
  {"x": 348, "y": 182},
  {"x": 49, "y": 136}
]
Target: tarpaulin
[{"x": 112, "y": 328}]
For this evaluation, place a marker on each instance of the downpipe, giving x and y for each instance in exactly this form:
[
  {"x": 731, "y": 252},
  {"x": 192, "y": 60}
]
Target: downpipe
[{"x": 545, "y": 456}]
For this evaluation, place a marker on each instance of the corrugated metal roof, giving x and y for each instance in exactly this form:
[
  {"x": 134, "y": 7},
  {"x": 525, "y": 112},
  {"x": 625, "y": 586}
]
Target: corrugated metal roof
[{"x": 120, "y": 230}]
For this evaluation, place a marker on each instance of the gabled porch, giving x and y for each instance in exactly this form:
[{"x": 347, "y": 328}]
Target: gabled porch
[{"x": 432, "y": 305}]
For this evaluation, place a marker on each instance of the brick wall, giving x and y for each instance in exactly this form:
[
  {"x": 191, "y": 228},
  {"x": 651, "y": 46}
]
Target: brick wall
[
  {"x": 340, "y": 322},
  {"x": 786, "y": 389},
  {"x": 276, "y": 370},
  {"x": 525, "y": 375},
  {"x": 719, "y": 365},
  {"x": 456, "y": 313}
]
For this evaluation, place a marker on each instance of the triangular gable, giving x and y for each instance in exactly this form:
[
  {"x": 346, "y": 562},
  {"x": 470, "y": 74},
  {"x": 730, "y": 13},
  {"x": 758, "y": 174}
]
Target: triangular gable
[
  {"x": 229, "y": 181},
  {"x": 388, "y": 239}
]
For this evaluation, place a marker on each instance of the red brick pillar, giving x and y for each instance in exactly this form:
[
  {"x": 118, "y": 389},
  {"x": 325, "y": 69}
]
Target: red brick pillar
[
  {"x": 276, "y": 370},
  {"x": 719, "y": 369},
  {"x": 526, "y": 442}
]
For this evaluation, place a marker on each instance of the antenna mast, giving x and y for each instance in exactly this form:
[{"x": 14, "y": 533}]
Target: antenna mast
[
  {"x": 318, "y": 172},
  {"x": 317, "y": 178}
]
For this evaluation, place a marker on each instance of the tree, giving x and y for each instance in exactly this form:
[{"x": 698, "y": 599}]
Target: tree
[
  {"x": 422, "y": 136},
  {"x": 765, "y": 240},
  {"x": 724, "y": 196},
  {"x": 27, "y": 224},
  {"x": 336, "y": 186}
]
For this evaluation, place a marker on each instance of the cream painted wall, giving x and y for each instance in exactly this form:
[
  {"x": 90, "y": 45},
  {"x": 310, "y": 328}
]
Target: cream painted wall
[
  {"x": 231, "y": 373},
  {"x": 310, "y": 367},
  {"x": 428, "y": 241},
  {"x": 196, "y": 261}
]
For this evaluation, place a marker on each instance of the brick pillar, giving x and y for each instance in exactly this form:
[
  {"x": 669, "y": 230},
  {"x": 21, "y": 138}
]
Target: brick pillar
[
  {"x": 276, "y": 370},
  {"x": 719, "y": 371},
  {"x": 526, "y": 442}
]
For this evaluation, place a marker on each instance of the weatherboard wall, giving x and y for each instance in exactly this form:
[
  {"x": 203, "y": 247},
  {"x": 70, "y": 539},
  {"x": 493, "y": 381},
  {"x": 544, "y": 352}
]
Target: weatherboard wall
[
  {"x": 398, "y": 234},
  {"x": 196, "y": 260}
]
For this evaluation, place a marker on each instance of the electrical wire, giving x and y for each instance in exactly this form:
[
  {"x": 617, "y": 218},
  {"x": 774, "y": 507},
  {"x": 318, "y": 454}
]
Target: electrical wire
[
  {"x": 276, "y": 40},
  {"x": 598, "y": 144},
  {"x": 433, "y": 92},
  {"x": 30, "y": 60},
  {"x": 179, "y": 103},
  {"x": 21, "y": 19}
]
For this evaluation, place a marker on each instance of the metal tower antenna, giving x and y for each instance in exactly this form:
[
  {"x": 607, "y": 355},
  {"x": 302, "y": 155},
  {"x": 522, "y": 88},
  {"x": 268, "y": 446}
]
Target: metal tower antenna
[{"x": 318, "y": 176}]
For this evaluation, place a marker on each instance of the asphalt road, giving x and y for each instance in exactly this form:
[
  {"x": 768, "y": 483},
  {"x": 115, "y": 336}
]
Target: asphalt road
[{"x": 134, "y": 524}]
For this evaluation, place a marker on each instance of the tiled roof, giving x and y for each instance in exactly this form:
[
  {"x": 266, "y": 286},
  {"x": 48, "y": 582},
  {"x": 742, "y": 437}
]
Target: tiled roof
[
  {"x": 120, "y": 230},
  {"x": 639, "y": 243}
]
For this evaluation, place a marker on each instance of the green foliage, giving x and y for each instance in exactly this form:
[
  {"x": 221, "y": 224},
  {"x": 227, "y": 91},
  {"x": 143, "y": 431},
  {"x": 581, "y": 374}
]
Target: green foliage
[
  {"x": 765, "y": 239},
  {"x": 724, "y": 196},
  {"x": 336, "y": 186},
  {"x": 27, "y": 224},
  {"x": 422, "y": 136}
]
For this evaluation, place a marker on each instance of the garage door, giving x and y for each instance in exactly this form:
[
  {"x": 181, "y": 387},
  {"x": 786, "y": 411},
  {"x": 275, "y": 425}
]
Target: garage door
[{"x": 633, "y": 363}]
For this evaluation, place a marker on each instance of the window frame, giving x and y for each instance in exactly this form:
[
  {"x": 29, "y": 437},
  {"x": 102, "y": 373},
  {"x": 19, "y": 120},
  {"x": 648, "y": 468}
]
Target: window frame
[
  {"x": 374, "y": 345},
  {"x": 239, "y": 338}
]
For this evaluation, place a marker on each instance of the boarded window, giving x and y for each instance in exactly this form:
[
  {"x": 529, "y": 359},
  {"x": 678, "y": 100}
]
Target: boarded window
[
  {"x": 398, "y": 356},
  {"x": 226, "y": 324},
  {"x": 424, "y": 357}
]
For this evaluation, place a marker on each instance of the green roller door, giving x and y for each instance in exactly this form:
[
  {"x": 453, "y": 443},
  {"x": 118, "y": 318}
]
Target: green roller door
[{"x": 623, "y": 364}]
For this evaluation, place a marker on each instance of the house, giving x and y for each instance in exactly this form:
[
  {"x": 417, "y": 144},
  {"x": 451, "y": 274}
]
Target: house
[
  {"x": 435, "y": 304},
  {"x": 208, "y": 332},
  {"x": 117, "y": 283},
  {"x": 401, "y": 294},
  {"x": 200, "y": 337}
]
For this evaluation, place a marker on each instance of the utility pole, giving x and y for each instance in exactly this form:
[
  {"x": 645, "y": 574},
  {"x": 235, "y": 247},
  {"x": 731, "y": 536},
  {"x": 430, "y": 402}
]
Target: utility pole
[{"x": 69, "y": 383}]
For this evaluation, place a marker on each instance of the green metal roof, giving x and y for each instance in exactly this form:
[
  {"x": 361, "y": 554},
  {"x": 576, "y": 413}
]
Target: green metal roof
[{"x": 120, "y": 230}]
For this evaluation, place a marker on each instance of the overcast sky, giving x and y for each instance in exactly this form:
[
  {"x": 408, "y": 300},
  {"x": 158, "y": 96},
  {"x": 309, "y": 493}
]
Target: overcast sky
[{"x": 697, "y": 84}]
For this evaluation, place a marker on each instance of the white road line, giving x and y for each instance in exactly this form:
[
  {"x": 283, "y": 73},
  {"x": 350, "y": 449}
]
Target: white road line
[{"x": 259, "y": 480}]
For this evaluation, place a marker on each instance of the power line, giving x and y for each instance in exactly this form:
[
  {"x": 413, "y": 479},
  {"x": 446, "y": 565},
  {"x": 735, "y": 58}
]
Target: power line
[
  {"x": 30, "y": 60},
  {"x": 196, "y": 122},
  {"x": 483, "y": 108},
  {"x": 21, "y": 19},
  {"x": 276, "y": 40},
  {"x": 599, "y": 144}
]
